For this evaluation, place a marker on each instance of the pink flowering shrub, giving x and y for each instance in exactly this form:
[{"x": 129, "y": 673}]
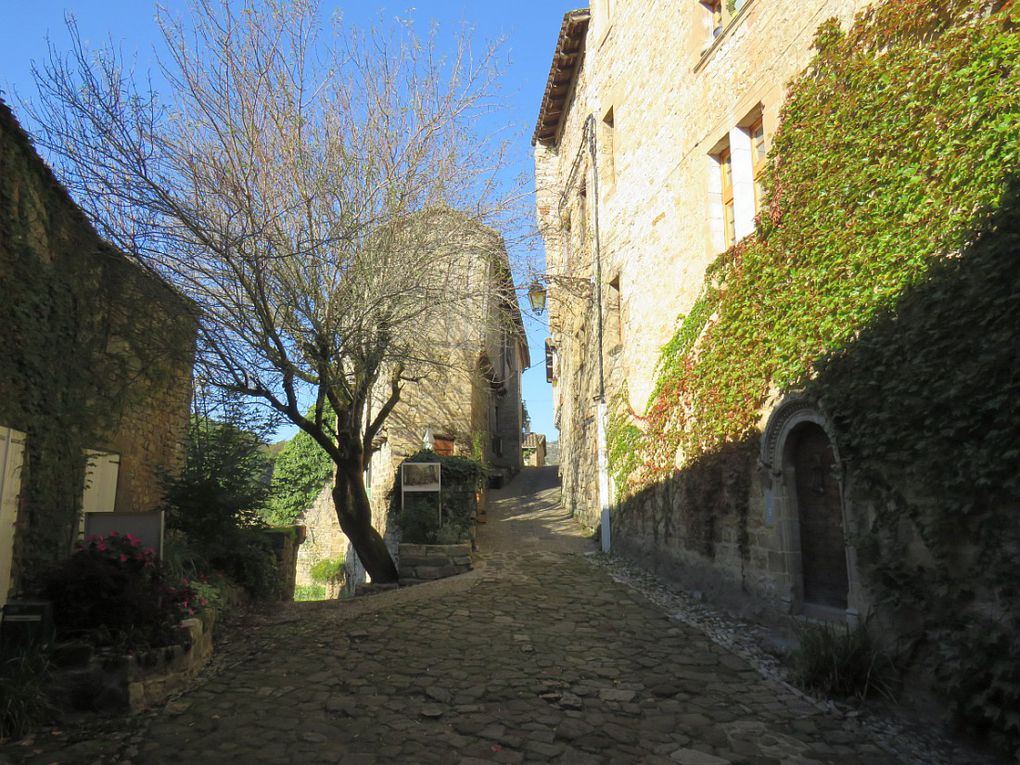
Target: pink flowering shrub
[{"x": 113, "y": 592}]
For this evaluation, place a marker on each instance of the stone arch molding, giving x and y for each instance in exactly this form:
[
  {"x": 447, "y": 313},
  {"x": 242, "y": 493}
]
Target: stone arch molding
[
  {"x": 794, "y": 410},
  {"x": 781, "y": 512}
]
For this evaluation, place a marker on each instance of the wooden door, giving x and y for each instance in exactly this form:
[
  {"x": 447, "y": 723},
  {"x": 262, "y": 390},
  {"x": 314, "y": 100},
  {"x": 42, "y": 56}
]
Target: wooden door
[{"x": 820, "y": 511}]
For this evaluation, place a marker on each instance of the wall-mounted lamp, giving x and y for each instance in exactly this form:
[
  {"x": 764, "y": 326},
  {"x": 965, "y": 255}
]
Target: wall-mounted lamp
[{"x": 537, "y": 296}]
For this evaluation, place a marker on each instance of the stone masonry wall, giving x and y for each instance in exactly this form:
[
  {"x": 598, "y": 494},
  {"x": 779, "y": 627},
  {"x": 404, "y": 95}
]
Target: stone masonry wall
[
  {"x": 323, "y": 538},
  {"x": 665, "y": 96},
  {"x": 97, "y": 355},
  {"x": 422, "y": 563}
]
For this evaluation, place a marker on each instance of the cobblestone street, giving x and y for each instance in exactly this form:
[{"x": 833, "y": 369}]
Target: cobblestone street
[{"x": 537, "y": 655}]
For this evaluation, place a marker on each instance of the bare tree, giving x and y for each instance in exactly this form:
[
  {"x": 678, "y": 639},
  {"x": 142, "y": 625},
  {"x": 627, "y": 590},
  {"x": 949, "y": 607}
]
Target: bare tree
[{"x": 289, "y": 185}]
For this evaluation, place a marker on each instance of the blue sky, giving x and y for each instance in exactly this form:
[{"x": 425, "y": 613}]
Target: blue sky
[{"x": 530, "y": 28}]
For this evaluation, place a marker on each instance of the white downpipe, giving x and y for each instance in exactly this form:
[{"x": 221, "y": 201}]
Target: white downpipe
[{"x": 603, "y": 477}]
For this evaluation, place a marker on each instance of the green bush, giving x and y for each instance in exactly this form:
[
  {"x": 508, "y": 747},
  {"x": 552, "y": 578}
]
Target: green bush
[
  {"x": 223, "y": 484},
  {"x": 301, "y": 471},
  {"x": 246, "y": 557},
  {"x": 24, "y": 702},
  {"x": 419, "y": 519},
  {"x": 112, "y": 592},
  {"x": 304, "y": 592},
  {"x": 843, "y": 662},
  {"x": 328, "y": 570},
  {"x": 215, "y": 506}
]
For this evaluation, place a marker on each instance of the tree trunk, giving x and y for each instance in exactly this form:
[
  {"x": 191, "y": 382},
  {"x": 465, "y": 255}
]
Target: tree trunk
[{"x": 354, "y": 511}]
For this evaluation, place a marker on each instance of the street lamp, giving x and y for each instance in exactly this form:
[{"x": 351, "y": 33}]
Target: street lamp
[{"x": 537, "y": 296}]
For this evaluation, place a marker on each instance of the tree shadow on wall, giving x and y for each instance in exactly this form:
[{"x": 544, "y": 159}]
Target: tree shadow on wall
[
  {"x": 701, "y": 510},
  {"x": 925, "y": 404}
]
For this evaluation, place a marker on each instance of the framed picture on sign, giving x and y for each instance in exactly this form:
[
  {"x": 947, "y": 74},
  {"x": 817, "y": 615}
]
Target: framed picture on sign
[{"x": 421, "y": 476}]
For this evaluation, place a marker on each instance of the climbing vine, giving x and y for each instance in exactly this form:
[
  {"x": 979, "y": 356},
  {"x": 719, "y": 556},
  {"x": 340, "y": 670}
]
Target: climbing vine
[
  {"x": 300, "y": 473},
  {"x": 882, "y": 278},
  {"x": 894, "y": 140},
  {"x": 86, "y": 336}
]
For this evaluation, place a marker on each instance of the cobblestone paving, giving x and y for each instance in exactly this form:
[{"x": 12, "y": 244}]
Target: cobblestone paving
[{"x": 536, "y": 656}]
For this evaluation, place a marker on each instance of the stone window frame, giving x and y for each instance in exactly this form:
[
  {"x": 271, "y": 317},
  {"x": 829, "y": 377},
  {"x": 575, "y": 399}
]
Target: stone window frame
[
  {"x": 614, "y": 314},
  {"x": 733, "y": 205},
  {"x": 715, "y": 18},
  {"x": 729, "y": 22},
  {"x": 780, "y": 512},
  {"x": 608, "y": 139},
  {"x": 754, "y": 126}
]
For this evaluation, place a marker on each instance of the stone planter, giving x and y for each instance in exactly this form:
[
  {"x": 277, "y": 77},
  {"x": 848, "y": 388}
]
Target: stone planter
[{"x": 85, "y": 681}]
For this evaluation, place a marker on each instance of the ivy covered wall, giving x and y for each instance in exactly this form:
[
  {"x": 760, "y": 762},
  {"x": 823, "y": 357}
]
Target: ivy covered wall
[
  {"x": 95, "y": 353},
  {"x": 883, "y": 283}
]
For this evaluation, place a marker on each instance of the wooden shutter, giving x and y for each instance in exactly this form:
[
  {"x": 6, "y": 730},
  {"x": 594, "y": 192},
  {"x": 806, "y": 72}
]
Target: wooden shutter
[{"x": 12, "y": 452}]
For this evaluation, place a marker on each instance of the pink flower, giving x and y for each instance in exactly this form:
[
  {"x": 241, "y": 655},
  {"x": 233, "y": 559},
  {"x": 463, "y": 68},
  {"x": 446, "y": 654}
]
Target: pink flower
[
  {"x": 101, "y": 547},
  {"x": 134, "y": 541},
  {"x": 116, "y": 534},
  {"x": 123, "y": 557}
]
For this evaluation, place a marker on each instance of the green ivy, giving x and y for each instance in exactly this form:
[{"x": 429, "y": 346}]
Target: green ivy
[
  {"x": 897, "y": 136},
  {"x": 299, "y": 475},
  {"x": 328, "y": 570},
  {"x": 623, "y": 442},
  {"x": 939, "y": 447},
  {"x": 866, "y": 285}
]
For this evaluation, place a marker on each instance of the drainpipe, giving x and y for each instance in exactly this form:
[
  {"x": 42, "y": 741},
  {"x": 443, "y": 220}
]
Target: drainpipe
[{"x": 601, "y": 410}]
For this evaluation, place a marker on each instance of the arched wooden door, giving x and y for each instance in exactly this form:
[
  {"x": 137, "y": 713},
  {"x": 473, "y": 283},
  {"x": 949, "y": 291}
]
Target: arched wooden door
[{"x": 820, "y": 513}]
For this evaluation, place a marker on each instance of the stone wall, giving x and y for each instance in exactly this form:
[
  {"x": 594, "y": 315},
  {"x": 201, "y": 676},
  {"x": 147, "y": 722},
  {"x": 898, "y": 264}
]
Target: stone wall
[
  {"x": 324, "y": 539},
  {"x": 664, "y": 97},
  {"x": 105, "y": 683},
  {"x": 97, "y": 355},
  {"x": 424, "y": 563}
]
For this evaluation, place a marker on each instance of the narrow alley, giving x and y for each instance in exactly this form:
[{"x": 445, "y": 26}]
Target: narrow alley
[{"x": 535, "y": 656}]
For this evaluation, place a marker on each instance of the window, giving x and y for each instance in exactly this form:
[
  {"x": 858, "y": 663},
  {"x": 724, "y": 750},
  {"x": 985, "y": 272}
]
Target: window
[
  {"x": 582, "y": 213},
  {"x": 725, "y": 159},
  {"x": 715, "y": 10},
  {"x": 444, "y": 445},
  {"x": 758, "y": 155},
  {"x": 551, "y": 372},
  {"x": 614, "y": 315},
  {"x": 609, "y": 141}
]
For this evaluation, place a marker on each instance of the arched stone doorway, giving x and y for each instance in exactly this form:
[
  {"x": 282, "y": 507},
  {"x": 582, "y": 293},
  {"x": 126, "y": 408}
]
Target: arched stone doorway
[
  {"x": 811, "y": 467},
  {"x": 804, "y": 503}
]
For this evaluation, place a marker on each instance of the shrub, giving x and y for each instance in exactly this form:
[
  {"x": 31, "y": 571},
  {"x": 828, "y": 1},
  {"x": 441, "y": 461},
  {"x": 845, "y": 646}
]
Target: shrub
[
  {"x": 24, "y": 702},
  {"x": 224, "y": 483},
  {"x": 310, "y": 592},
  {"x": 328, "y": 570},
  {"x": 215, "y": 506},
  {"x": 299, "y": 474},
  {"x": 246, "y": 557},
  {"x": 112, "y": 592},
  {"x": 419, "y": 519},
  {"x": 842, "y": 662}
]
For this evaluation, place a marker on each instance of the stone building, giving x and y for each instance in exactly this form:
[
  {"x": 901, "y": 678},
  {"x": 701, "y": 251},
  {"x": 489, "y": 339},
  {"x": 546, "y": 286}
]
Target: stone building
[
  {"x": 534, "y": 450},
  {"x": 649, "y": 146},
  {"x": 95, "y": 370},
  {"x": 468, "y": 399}
]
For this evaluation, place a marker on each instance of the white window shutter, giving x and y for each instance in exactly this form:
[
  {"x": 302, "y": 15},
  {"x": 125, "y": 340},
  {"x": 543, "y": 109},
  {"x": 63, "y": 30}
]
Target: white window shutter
[
  {"x": 101, "y": 473},
  {"x": 12, "y": 452}
]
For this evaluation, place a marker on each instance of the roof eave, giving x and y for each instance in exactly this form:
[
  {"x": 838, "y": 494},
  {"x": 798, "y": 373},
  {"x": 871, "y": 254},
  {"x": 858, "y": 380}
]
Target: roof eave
[{"x": 566, "y": 62}]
